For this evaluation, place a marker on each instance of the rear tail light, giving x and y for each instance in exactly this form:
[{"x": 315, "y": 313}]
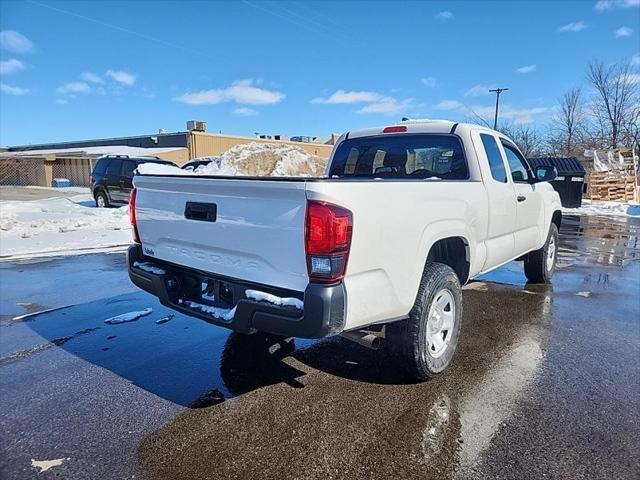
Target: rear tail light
[
  {"x": 132, "y": 216},
  {"x": 395, "y": 129},
  {"x": 327, "y": 241}
]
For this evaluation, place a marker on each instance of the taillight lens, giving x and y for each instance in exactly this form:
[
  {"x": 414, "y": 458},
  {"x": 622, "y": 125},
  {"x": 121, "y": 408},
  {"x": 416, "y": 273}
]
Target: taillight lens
[
  {"x": 395, "y": 129},
  {"x": 327, "y": 241},
  {"x": 132, "y": 216}
]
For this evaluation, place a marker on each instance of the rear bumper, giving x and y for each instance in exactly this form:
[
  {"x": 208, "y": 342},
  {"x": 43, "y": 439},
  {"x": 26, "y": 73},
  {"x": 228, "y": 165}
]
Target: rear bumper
[{"x": 323, "y": 313}]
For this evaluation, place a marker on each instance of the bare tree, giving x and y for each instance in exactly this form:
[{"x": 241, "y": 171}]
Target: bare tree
[
  {"x": 616, "y": 101},
  {"x": 526, "y": 137},
  {"x": 568, "y": 123}
]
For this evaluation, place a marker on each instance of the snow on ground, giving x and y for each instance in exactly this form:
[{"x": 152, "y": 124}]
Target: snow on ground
[
  {"x": 252, "y": 159},
  {"x": 128, "y": 317},
  {"x": 55, "y": 226},
  {"x": 604, "y": 208}
]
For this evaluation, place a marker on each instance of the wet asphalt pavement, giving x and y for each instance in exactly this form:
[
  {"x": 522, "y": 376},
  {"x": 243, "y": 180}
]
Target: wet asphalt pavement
[{"x": 545, "y": 384}]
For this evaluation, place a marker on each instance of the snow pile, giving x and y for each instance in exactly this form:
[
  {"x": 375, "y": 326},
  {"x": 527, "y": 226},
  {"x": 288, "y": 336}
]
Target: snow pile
[
  {"x": 128, "y": 317},
  {"x": 252, "y": 159},
  {"x": 275, "y": 300},
  {"x": 226, "y": 314},
  {"x": 604, "y": 208},
  {"x": 149, "y": 267},
  {"x": 60, "y": 225}
]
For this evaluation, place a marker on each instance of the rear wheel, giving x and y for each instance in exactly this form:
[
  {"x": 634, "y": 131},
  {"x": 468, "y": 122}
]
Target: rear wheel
[
  {"x": 540, "y": 264},
  {"x": 102, "y": 199},
  {"x": 426, "y": 342}
]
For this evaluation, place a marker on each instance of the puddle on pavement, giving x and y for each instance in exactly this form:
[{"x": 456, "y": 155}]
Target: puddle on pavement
[
  {"x": 599, "y": 240},
  {"x": 329, "y": 404}
]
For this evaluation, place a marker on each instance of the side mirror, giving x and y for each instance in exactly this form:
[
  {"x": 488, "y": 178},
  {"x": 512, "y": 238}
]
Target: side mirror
[{"x": 546, "y": 173}]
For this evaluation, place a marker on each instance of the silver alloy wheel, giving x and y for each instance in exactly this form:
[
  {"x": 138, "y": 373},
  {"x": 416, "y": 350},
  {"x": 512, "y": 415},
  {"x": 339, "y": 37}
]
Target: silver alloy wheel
[
  {"x": 100, "y": 201},
  {"x": 440, "y": 323},
  {"x": 551, "y": 253}
]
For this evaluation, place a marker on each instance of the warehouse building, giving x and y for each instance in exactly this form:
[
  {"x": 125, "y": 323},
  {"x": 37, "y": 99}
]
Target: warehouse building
[{"x": 40, "y": 164}]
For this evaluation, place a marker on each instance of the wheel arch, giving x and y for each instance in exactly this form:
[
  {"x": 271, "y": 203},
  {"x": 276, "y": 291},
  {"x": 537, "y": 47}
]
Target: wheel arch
[
  {"x": 556, "y": 218},
  {"x": 453, "y": 251}
]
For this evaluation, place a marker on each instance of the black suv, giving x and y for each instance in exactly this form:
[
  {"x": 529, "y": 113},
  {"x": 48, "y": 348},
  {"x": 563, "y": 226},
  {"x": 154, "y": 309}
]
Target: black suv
[{"x": 112, "y": 178}]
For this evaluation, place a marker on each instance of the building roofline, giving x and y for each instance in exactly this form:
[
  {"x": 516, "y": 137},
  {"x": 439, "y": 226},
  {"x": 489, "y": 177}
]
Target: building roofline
[{"x": 40, "y": 146}]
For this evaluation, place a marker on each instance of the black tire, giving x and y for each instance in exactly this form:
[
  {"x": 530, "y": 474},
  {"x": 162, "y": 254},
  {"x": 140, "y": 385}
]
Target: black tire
[
  {"x": 408, "y": 338},
  {"x": 101, "y": 196},
  {"x": 537, "y": 268}
]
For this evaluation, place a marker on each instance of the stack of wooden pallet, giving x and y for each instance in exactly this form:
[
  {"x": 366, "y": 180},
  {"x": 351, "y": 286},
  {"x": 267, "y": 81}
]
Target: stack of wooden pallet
[{"x": 607, "y": 186}]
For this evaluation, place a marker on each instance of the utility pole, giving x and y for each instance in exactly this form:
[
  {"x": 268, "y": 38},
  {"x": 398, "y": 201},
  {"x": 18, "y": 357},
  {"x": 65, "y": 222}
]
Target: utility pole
[{"x": 497, "y": 91}]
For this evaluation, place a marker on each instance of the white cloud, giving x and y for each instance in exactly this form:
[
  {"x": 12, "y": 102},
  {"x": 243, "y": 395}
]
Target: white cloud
[
  {"x": 631, "y": 78},
  {"x": 572, "y": 27},
  {"x": 7, "y": 67},
  {"x": 429, "y": 82},
  {"x": 604, "y": 5},
  {"x": 91, "y": 78},
  {"x": 13, "y": 90},
  {"x": 243, "y": 92},
  {"x": 123, "y": 77},
  {"x": 477, "y": 90},
  {"x": 444, "y": 15},
  {"x": 449, "y": 105},
  {"x": 245, "y": 112},
  {"x": 623, "y": 32},
  {"x": 15, "y": 42},
  {"x": 73, "y": 88},
  {"x": 507, "y": 112},
  {"x": 635, "y": 59},
  {"x": 526, "y": 69},
  {"x": 387, "y": 106},
  {"x": 345, "y": 97}
]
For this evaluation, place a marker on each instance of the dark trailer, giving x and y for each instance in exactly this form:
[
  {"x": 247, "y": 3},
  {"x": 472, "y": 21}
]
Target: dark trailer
[{"x": 570, "y": 180}]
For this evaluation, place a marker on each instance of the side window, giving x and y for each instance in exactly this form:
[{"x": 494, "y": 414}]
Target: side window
[
  {"x": 496, "y": 164},
  {"x": 114, "y": 167},
  {"x": 517, "y": 164},
  {"x": 129, "y": 167},
  {"x": 101, "y": 166}
]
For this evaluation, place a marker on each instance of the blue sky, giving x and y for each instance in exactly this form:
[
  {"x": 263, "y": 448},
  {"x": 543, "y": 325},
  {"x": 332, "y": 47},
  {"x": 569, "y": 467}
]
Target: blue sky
[{"x": 76, "y": 70}]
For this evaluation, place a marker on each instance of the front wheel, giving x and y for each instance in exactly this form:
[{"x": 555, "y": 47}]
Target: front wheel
[
  {"x": 540, "y": 264},
  {"x": 425, "y": 343}
]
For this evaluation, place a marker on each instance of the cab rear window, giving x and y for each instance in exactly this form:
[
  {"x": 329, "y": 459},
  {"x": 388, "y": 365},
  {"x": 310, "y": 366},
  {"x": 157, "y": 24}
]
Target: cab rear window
[{"x": 401, "y": 156}]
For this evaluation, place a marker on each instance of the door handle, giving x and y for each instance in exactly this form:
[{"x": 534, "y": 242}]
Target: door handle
[{"x": 521, "y": 198}]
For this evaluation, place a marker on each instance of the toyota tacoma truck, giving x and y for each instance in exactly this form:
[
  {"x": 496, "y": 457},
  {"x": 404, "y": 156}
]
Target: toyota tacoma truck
[{"x": 377, "y": 248}]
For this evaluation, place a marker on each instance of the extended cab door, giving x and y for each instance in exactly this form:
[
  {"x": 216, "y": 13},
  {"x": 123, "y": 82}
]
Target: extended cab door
[
  {"x": 529, "y": 202},
  {"x": 502, "y": 200}
]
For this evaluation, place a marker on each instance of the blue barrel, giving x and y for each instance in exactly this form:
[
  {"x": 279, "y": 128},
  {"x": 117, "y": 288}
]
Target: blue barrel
[{"x": 61, "y": 182}]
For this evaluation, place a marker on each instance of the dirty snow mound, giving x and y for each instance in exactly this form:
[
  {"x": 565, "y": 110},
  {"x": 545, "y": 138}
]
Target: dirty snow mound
[
  {"x": 58, "y": 225},
  {"x": 252, "y": 159}
]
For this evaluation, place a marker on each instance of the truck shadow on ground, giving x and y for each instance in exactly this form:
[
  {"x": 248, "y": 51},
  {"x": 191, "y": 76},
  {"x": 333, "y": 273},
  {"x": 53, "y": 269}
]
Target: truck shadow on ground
[{"x": 332, "y": 404}]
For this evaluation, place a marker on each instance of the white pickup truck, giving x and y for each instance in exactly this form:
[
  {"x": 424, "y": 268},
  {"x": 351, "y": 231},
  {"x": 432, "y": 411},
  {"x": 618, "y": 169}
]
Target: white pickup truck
[{"x": 378, "y": 248}]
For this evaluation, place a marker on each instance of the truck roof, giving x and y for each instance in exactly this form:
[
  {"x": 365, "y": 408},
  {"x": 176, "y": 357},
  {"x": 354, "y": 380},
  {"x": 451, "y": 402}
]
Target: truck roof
[{"x": 420, "y": 126}]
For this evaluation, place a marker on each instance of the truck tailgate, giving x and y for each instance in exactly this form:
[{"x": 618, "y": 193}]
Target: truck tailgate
[{"x": 251, "y": 230}]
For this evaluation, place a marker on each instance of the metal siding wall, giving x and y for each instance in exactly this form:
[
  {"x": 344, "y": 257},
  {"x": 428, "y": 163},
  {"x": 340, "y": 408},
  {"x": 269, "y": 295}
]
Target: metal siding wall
[
  {"x": 203, "y": 144},
  {"x": 179, "y": 157}
]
